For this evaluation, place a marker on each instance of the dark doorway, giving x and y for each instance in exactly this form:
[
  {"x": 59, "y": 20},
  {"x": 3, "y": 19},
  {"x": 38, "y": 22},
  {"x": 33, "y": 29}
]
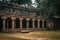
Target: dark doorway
[
  {"x": 41, "y": 24},
  {"x": 57, "y": 23},
  {"x": 17, "y": 22},
  {"x": 45, "y": 24},
  {"x": 36, "y": 23},
  {"x": 9, "y": 22},
  {"x": 1, "y": 24},
  {"x": 30, "y": 23},
  {"x": 24, "y": 24}
]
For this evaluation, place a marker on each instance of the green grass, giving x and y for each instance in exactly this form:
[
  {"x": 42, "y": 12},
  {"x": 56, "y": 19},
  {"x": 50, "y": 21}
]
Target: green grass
[
  {"x": 4, "y": 37},
  {"x": 53, "y": 35}
]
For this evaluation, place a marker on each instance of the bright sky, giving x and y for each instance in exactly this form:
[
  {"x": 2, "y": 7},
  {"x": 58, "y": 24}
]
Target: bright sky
[
  {"x": 33, "y": 1},
  {"x": 0, "y": 0}
]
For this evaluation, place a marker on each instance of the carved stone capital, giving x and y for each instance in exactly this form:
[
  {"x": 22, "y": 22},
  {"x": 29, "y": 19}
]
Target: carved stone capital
[
  {"x": 38, "y": 19},
  {"x": 13, "y": 18},
  {"x": 33, "y": 19},
  {"x": 43, "y": 20},
  {"x": 21, "y": 19},
  {"x": 27, "y": 19},
  {"x": 4, "y": 17}
]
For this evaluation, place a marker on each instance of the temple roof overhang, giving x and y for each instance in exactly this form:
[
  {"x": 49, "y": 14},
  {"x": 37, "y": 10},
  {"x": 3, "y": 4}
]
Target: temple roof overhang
[{"x": 25, "y": 8}]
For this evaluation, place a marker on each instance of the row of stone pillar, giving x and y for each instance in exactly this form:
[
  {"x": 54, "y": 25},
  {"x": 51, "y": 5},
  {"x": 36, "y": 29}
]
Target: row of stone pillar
[
  {"x": 21, "y": 20},
  {"x": 33, "y": 23}
]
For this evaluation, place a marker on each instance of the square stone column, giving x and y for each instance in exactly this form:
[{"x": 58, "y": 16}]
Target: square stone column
[
  {"x": 27, "y": 22},
  {"x": 38, "y": 24},
  {"x": 38, "y": 21},
  {"x": 3, "y": 24},
  {"x": 33, "y": 23},
  {"x": 43, "y": 24},
  {"x": 4, "y": 20},
  {"x": 21, "y": 20},
  {"x": 13, "y": 23}
]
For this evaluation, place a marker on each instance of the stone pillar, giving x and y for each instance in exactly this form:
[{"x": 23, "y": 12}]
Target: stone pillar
[
  {"x": 33, "y": 23},
  {"x": 4, "y": 20},
  {"x": 21, "y": 20},
  {"x": 38, "y": 24},
  {"x": 13, "y": 23},
  {"x": 27, "y": 23},
  {"x": 42, "y": 24},
  {"x": 3, "y": 24}
]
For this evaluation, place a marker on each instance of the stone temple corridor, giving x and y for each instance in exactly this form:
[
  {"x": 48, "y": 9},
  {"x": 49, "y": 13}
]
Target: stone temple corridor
[{"x": 17, "y": 18}]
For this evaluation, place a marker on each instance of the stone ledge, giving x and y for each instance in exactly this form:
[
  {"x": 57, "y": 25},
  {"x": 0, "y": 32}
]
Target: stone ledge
[{"x": 25, "y": 31}]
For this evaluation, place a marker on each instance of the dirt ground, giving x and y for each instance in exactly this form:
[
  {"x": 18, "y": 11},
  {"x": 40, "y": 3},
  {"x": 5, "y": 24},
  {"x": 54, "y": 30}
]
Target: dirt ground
[{"x": 25, "y": 36}]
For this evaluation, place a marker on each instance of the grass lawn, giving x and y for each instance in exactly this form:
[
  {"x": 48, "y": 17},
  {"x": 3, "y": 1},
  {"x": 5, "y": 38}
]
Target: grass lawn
[
  {"x": 53, "y": 35},
  {"x": 4, "y": 37}
]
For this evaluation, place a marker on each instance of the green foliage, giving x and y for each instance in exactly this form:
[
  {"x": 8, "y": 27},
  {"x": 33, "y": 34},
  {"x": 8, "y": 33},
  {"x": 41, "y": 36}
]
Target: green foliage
[
  {"x": 49, "y": 8},
  {"x": 54, "y": 6},
  {"x": 21, "y": 1}
]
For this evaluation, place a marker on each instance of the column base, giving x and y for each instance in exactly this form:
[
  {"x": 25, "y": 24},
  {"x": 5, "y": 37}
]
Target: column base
[
  {"x": 38, "y": 29},
  {"x": 27, "y": 28},
  {"x": 33, "y": 29},
  {"x": 20, "y": 28},
  {"x": 3, "y": 29},
  {"x": 43, "y": 28},
  {"x": 6, "y": 30},
  {"x": 12, "y": 30}
]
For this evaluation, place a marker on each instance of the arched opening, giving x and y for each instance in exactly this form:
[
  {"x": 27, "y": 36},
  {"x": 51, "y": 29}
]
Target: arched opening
[
  {"x": 41, "y": 24},
  {"x": 1, "y": 24},
  {"x": 17, "y": 22},
  {"x": 56, "y": 23},
  {"x": 30, "y": 23},
  {"x": 36, "y": 23},
  {"x": 45, "y": 24},
  {"x": 9, "y": 23},
  {"x": 24, "y": 23}
]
